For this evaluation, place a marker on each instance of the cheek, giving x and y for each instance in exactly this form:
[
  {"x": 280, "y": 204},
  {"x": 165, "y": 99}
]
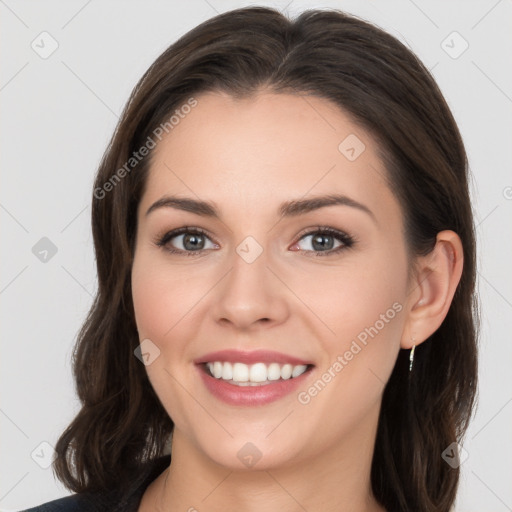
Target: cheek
[
  {"x": 363, "y": 306},
  {"x": 160, "y": 300},
  {"x": 168, "y": 311},
  {"x": 365, "y": 310},
  {"x": 367, "y": 291},
  {"x": 159, "y": 305},
  {"x": 149, "y": 301},
  {"x": 160, "y": 297}
]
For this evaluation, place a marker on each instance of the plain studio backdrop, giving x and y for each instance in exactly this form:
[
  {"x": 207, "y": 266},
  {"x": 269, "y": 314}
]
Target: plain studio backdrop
[{"x": 67, "y": 70}]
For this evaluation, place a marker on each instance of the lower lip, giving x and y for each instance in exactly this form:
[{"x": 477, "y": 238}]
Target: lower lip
[{"x": 251, "y": 395}]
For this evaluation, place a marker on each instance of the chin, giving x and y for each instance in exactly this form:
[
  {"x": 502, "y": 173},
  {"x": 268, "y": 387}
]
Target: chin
[{"x": 251, "y": 450}]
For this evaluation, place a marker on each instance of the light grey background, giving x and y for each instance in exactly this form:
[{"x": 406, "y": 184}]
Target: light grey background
[{"x": 57, "y": 116}]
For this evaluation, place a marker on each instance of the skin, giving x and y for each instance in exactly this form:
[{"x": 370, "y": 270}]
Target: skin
[{"x": 248, "y": 156}]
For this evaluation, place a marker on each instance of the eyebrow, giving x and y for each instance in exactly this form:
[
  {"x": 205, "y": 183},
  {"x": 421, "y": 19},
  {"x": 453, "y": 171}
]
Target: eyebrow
[{"x": 287, "y": 209}]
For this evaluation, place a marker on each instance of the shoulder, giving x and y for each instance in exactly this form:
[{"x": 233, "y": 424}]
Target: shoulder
[
  {"x": 73, "y": 503},
  {"x": 114, "y": 500}
]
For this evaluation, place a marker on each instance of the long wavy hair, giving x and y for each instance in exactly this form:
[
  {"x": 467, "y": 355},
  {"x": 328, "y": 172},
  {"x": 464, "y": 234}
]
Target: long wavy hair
[{"x": 385, "y": 89}]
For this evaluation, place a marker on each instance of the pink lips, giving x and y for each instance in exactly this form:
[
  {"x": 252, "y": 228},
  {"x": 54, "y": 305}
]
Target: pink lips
[
  {"x": 250, "y": 395},
  {"x": 255, "y": 356}
]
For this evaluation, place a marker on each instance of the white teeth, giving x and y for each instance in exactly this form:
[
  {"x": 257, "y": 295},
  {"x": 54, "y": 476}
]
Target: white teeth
[
  {"x": 273, "y": 371},
  {"x": 227, "y": 371},
  {"x": 286, "y": 371},
  {"x": 240, "y": 372},
  {"x": 217, "y": 370},
  {"x": 298, "y": 370},
  {"x": 256, "y": 374}
]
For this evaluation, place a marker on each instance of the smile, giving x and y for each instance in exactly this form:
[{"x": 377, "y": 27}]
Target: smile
[
  {"x": 240, "y": 374},
  {"x": 251, "y": 378}
]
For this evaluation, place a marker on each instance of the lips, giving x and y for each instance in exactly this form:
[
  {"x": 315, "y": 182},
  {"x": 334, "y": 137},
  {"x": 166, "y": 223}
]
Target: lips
[
  {"x": 251, "y": 378},
  {"x": 255, "y": 356}
]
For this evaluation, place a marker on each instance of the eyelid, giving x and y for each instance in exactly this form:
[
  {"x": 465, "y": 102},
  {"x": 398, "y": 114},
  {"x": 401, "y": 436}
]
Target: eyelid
[
  {"x": 346, "y": 240},
  {"x": 162, "y": 240}
]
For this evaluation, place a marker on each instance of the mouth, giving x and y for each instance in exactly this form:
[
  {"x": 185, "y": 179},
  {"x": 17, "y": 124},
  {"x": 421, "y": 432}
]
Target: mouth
[
  {"x": 252, "y": 378},
  {"x": 259, "y": 374}
]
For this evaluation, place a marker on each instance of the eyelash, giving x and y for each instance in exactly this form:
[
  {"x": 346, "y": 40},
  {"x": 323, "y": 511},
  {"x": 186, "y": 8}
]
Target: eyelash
[{"x": 347, "y": 241}]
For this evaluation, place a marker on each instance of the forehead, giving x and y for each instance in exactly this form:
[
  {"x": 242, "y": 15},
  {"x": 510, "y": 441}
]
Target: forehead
[{"x": 258, "y": 151}]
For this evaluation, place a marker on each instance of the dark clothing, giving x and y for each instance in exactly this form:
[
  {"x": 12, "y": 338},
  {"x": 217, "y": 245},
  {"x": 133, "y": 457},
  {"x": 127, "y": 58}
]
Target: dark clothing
[{"x": 112, "y": 500}]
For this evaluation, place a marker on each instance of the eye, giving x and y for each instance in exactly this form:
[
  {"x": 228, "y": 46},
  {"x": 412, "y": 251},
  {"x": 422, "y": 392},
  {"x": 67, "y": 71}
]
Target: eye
[
  {"x": 193, "y": 242},
  {"x": 191, "y": 239},
  {"x": 323, "y": 241}
]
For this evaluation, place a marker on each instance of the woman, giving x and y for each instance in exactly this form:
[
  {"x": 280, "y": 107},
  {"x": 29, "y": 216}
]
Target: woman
[{"x": 286, "y": 267}]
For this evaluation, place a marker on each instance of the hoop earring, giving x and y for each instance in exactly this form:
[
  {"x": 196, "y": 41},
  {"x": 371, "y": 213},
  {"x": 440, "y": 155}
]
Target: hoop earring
[{"x": 411, "y": 356}]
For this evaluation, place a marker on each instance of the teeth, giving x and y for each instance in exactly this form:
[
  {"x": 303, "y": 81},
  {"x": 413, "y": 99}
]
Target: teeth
[
  {"x": 240, "y": 372},
  {"x": 257, "y": 372},
  {"x": 298, "y": 370},
  {"x": 273, "y": 371},
  {"x": 217, "y": 370},
  {"x": 250, "y": 375},
  {"x": 286, "y": 371},
  {"x": 227, "y": 371}
]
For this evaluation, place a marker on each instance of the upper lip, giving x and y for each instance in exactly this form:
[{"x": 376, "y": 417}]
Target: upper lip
[{"x": 254, "y": 356}]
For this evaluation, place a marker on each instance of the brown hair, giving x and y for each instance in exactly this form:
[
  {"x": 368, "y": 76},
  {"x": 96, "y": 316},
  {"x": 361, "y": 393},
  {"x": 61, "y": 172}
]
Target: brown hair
[{"x": 387, "y": 90}]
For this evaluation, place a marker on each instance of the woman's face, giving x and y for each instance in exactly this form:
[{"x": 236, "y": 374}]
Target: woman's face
[{"x": 263, "y": 290}]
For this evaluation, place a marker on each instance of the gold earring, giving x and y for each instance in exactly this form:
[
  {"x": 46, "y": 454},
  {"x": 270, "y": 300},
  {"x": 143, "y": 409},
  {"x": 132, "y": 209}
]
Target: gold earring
[{"x": 411, "y": 355}]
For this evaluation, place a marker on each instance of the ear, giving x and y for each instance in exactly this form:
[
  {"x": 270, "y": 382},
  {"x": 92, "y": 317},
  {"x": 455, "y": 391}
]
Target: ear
[{"x": 432, "y": 289}]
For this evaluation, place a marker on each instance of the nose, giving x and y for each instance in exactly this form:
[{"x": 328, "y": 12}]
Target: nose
[{"x": 250, "y": 296}]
